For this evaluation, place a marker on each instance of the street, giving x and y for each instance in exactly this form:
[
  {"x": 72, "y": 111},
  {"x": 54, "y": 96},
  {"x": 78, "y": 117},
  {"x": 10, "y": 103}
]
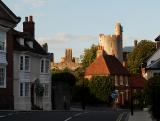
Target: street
[{"x": 108, "y": 115}]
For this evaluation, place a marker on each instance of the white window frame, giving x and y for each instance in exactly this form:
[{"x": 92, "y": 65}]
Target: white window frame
[
  {"x": 44, "y": 69},
  {"x": 23, "y": 89},
  {"x": 4, "y": 68},
  {"x": 23, "y": 65}
]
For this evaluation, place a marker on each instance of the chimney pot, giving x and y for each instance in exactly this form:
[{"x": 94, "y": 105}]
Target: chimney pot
[
  {"x": 30, "y": 18},
  {"x": 26, "y": 19}
]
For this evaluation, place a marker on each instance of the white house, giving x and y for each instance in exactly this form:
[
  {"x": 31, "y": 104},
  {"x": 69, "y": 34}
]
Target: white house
[
  {"x": 152, "y": 66},
  {"x": 31, "y": 65}
]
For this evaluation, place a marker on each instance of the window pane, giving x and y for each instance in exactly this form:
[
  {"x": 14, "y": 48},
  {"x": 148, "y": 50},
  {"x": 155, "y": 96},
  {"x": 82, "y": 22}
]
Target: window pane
[
  {"x": 21, "y": 89},
  {"x": 21, "y": 62},
  {"x": 27, "y": 88},
  {"x": 26, "y": 63},
  {"x": 42, "y": 66},
  {"x": 2, "y": 76},
  {"x": 47, "y": 66}
]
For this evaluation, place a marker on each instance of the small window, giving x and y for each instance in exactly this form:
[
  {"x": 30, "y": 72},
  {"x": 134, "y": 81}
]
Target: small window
[
  {"x": 24, "y": 63},
  {"x": 24, "y": 89},
  {"x": 44, "y": 66}
]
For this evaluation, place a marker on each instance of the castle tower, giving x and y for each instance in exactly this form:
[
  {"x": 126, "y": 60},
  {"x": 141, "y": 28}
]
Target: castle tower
[
  {"x": 68, "y": 55},
  {"x": 118, "y": 29},
  {"x": 113, "y": 43}
]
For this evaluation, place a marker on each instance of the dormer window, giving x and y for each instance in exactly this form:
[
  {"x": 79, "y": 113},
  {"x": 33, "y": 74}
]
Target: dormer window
[
  {"x": 30, "y": 44},
  {"x": 21, "y": 41}
]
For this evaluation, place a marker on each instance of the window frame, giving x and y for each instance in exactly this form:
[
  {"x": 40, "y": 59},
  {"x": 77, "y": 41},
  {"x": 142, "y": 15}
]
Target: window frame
[
  {"x": 22, "y": 89},
  {"x": 45, "y": 66},
  {"x": 22, "y": 63}
]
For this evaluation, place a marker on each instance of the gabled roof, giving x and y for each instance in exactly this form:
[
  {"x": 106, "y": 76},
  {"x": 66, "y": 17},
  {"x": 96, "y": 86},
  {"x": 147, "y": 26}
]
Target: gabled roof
[
  {"x": 137, "y": 81},
  {"x": 106, "y": 65},
  {"x": 7, "y": 15},
  {"x": 37, "y": 48},
  {"x": 158, "y": 38},
  {"x": 154, "y": 65}
]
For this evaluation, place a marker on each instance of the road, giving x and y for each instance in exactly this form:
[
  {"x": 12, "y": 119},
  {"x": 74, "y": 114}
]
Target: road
[{"x": 64, "y": 116}]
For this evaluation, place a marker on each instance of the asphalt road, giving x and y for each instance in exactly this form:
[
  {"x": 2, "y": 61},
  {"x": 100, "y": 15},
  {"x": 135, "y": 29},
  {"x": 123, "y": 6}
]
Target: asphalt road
[{"x": 64, "y": 116}]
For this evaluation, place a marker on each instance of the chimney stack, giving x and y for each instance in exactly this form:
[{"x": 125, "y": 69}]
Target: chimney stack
[
  {"x": 100, "y": 51},
  {"x": 28, "y": 26}
]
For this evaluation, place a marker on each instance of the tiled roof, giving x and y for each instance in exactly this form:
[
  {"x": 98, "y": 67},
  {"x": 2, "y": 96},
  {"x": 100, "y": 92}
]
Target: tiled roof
[
  {"x": 37, "y": 48},
  {"x": 137, "y": 81},
  {"x": 106, "y": 65}
]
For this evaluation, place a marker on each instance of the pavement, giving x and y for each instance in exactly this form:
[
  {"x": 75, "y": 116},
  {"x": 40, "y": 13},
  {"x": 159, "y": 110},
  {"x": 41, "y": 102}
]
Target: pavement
[{"x": 140, "y": 116}]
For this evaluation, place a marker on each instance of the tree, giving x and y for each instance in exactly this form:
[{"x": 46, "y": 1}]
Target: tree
[
  {"x": 140, "y": 54},
  {"x": 89, "y": 55},
  {"x": 101, "y": 87},
  {"x": 152, "y": 91}
]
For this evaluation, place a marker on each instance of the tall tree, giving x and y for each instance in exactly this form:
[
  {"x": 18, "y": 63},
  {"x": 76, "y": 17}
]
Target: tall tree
[
  {"x": 89, "y": 55},
  {"x": 140, "y": 54}
]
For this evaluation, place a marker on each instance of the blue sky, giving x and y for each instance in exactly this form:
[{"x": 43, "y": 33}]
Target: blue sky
[{"x": 77, "y": 24}]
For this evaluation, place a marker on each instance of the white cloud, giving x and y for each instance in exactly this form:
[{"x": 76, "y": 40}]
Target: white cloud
[{"x": 62, "y": 38}]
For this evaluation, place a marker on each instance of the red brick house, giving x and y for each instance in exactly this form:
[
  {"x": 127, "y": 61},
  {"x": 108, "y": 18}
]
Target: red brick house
[
  {"x": 109, "y": 65},
  {"x": 8, "y": 20}
]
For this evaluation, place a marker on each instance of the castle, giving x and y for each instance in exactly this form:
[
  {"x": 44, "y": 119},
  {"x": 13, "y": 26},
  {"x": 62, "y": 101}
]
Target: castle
[
  {"x": 68, "y": 61},
  {"x": 112, "y": 44}
]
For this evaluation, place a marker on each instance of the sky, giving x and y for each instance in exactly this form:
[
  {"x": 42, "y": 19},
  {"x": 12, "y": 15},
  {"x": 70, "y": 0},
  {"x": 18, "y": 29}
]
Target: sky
[{"x": 77, "y": 24}]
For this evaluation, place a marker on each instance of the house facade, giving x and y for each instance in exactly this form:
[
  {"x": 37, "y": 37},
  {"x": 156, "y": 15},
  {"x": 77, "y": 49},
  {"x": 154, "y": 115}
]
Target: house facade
[
  {"x": 31, "y": 67},
  {"x": 152, "y": 66},
  {"x": 8, "y": 20},
  {"x": 109, "y": 65}
]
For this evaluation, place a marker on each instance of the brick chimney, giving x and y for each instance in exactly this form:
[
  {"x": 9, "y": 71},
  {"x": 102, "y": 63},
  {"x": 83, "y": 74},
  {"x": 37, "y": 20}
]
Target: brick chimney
[
  {"x": 100, "y": 51},
  {"x": 28, "y": 26}
]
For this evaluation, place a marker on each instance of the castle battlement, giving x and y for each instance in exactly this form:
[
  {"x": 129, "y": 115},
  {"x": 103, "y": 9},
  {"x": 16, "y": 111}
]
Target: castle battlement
[{"x": 113, "y": 43}]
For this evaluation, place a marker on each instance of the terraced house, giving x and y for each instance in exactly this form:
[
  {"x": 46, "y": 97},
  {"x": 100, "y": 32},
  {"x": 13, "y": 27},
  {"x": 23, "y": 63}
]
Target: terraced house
[
  {"x": 8, "y": 20},
  {"x": 31, "y": 67}
]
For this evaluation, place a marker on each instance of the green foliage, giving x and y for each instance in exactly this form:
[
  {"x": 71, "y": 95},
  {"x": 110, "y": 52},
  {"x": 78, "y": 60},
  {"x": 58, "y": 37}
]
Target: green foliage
[
  {"x": 39, "y": 89},
  {"x": 140, "y": 54},
  {"x": 101, "y": 87},
  {"x": 65, "y": 76},
  {"x": 89, "y": 56},
  {"x": 152, "y": 91}
]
